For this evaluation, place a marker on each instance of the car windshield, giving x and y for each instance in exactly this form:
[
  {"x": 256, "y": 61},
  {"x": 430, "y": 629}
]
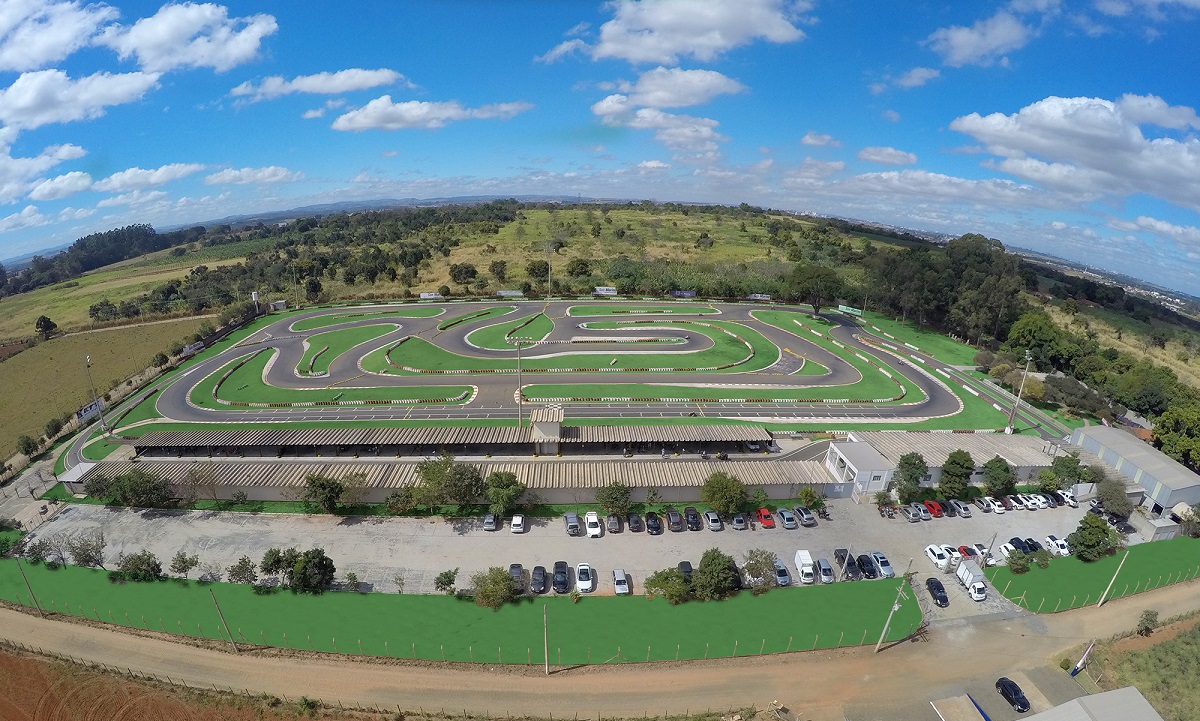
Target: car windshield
[{"x": 584, "y": 574}]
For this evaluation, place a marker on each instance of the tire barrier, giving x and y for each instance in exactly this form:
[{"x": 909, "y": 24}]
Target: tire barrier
[{"x": 312, "y": 361}]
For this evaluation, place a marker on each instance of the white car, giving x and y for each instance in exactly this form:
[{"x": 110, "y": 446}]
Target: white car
[
  {"x": 1068, "y": 498},
  {"x": 996, "y": 506},
  {"x": 1057, "y": 546},
  {"x": 1034, "y": 501},
  {"x": 977, "y": 591},
  {"x": 620, "y": 582},
  {"x": 592, "y": 523},
  {"x": 585, "y": 578},
  {"x": 937, "y": 556},
  {"x": 1019, "y": 503},
  {"x": 517, "y": 524},
  {"x": 953, "y": 554},
  {"x": 985, "y": 554},
  {"x": 1006, "y": 550}
]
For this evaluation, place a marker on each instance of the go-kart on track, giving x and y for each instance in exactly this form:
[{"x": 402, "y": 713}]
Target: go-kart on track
[{"x": 677, "y": 333}]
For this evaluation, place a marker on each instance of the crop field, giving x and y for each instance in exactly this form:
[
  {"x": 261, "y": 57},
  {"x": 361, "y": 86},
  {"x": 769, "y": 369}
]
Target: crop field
[
  {"x": 50, "y": 379},
  {"x": 595, "y": 630},
  {"x": 322, "y": 321},
  {"x": 534, "y": 326},
  {"x": 321, "y": 349}
]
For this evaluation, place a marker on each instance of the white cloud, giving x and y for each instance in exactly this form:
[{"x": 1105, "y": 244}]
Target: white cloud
[
  {"x": 654, "y": 165},
  {"x": 1091, "y": 145},
  {"x": 34, "y": 33},
  {"x": 17, "y": 173},
  {"x": 928, "y": 187},
  {"x": 917, "y": 77},
  {"x": 891, "y": 116},
  {"x": 813, "y": 169},
  {"x": 136, "y": 197},
  {"x": 675, "y": 88},
  {"x": 312, "y": 114},
  {"x": 28, "y": 217},
  {"x": 253, "y": 176},
  {"x": 821, "y": 141},
  {"x": 983, "y": 43},
  {"x": 49, "y": 96},
  {"x": 190, "y": 35},
  {"x": 383, "y": 114},
  {"x": 887, "y": 156},
  {"x": 682, "y": 133},
  {"x": 320, "y": 112},
  {"x": 61, "y": 186},
  {"x": 343, "y": 81},
  {"x": 67, "y": 214},
  {"x": 663, "y": 31},
  {"x": 1113, "y": 8},
  {"x": 136, "y": 178},
  {"x": 1185, "y": 234}
]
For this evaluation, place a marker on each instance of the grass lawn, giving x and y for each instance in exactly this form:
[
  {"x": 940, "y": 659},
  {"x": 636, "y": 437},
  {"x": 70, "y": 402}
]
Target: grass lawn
[
  {"x": 1174, "y": 695},
  {"x": 476, "y": 315},
  {"x": 935, "y": 344},
  {"x": 581, "y": 311},
  {"x": 495, "y": 337},
  {"x": 657, "y": 391},
  {"x": 322, "y": 321},
  {"x": 1071, "y": 583},
  {"x": 338, "y": 342},
  {"x": 596, "y": 629}
]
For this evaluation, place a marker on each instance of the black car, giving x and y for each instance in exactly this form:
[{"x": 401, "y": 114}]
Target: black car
[
  {"x": 518, "y": 577},
  {"x": 846, "y": 561},
  {"x": 654, "y": 524},
  {"x": 685, "y": 567},
  {"x": 561, "y": 580},
  {"x": 692, "y": 517},
  {"x": 674, "y": 520},
  {"x": 1020, "y": 545},
  {"x": 1034, "y": 546},
  {"x": 1012, "y": 694},
  {"x": 867, "y": 566},
  {"x": 634, "y": 521},
  {"x": 1125, "y": 527},
  {"x": 1050, "y": 500},
  {"x": 947, "y": 508},
  {"x": 1096, "y": 511},
  {"x": 938, "y": 592},
  {"x": 537, "y": 580}
]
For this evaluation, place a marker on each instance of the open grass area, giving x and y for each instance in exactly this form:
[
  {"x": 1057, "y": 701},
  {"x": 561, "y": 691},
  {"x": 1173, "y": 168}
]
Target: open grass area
[
  {"x": 323, "y": 348},
  {"x": 658, "y": 391},
  {"x": 495, "y": 337},
  {"x": 935, "y": 344},
  {"x": 476, "y": 315},
  {"x": 322, "y": 321},
  {"x": 595, "y": 630},
  {"x": 680, "y": 308},
  {"x": 1071, "y": 583},
  {"x": 50, "y": 379},
  {"x": 1163, "y": 669}
]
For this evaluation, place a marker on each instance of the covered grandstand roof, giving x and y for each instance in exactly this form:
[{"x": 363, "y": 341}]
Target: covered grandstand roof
[{"x": 1021, "y": 451}]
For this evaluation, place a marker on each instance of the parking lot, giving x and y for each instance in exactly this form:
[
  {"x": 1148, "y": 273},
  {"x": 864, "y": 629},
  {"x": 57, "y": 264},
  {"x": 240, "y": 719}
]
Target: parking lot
[{"x": 378, "y": 548}]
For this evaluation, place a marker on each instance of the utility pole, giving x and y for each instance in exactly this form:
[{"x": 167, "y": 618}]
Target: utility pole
[
  {"x": 223, "y": 622},
  {"x": 42, "y": 614},
  {"x": 87, "y": 363},
  {"x": 519, "y": 394},
  {"x": 549, "y": 287},
  {"x": 1013, "y": 413},
  {"x": 895, "y": 606}
]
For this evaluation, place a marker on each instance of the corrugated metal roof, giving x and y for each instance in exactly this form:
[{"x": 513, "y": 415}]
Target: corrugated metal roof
[
  {"x": 1020, "y": 451},
  {"x": 1143, "y": 456},
  {"x": 662, "y": 434},
  {"x": 540, "y": 474}
]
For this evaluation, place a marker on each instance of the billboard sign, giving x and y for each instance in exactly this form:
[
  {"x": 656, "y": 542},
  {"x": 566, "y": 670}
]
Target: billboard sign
[
  {"x": 851, "y": 311},
  {"x": 683, "y": 294},
  {"x": 431, "y": 296},
  {"x": 88, "y": 411},
  {"x": 605, "y": 290},
  {"x": 758, "y": 296},
  {"x": 510, "y": 294}
]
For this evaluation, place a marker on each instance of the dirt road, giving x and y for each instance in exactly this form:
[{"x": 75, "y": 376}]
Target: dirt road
[{"x": 816, "y": 685}]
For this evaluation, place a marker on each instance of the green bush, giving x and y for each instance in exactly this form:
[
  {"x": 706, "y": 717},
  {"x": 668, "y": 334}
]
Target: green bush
[
  {"x": 1018, "y": 562},
  {"x": 1042, "y": 558}
]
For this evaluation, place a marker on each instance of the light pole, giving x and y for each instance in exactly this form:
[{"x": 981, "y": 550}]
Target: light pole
[
  {"x": 519, "y": 413},
  {"x": 895, "y": 605},
  {"x": 1013, "y": 413},
  {"x": 87, "y": 363}
]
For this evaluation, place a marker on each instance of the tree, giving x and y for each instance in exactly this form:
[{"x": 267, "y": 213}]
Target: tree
[
  {"x": 714, "y": 576},
  {"x": 815, "y": 284},
  {"x": 444, "y": 291},
  {"x": 136, "y": 488},
  {"x": 102, "y": 311},
  {"x": 463, "y": 273},
  {"x": 613, "y": 498},
  {"x": 279, "y": 562},
  {"x": 759, "y": 565},
  {"x": 1018, "y": 562},
  {"x": 323, "y": 491},
  {"x": 140, "y": 566},
  {"x": 400, "y": 501},
  {"x": 1042, "y": 558},
  {"x": 1148, "y": 622},
  {"x": 1093, "y": 539},
  {"x": 579, "y": 268},
  {"x": 956, "y": 474},
  {"x": 670, "y": 584},
  {"x": 244, "y": 571},
  {"x": 1111, "y": 493},
  {"x": 502, "y": 491},
  {"x": 883, "y": 498},
  {"x": 910, "y": 472},
  {"x": 444, "y": 581},
  {"x": 182, "y": 564},
  {"x": 312, "y": 572},
  {"x": 493, "y": 588},
  {"x": 809, "y": 498},
  {"x": 464, "y": 484},
  {"x": 538, "y": 270},
  {"x": 53, "y": 426},
  {"x": 159, "y": 360},
  {"x": 1067, "y": 469},
  {"x": 999, "y": 479},
  {"x": 87, "y": 549},
  {"x": 27, "y": 446},
  {"x": 312, "y": 289},
  {"x": 726, "y": 494},
  {"x": 352, "y": 581},
  {"x": 1047, "y": 482},
  {"x": 759, "y": 497},
  {"x": 499, "y": 270},
  {"x": 45, "y": 327},
  {"x": 1177, "y": 433},
  {"x": 38, "y": 551}
]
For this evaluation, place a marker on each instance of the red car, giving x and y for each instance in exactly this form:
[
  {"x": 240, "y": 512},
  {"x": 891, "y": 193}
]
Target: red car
[
  {"x": 934, "y": 508},
  {"x": 765, "y": 518}
]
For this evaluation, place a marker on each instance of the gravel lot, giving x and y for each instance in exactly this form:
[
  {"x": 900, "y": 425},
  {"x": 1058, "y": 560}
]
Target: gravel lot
[{"x": 378, "y": 548}]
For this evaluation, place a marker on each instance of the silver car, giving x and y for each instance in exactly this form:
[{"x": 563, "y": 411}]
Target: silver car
[
  {"x": 921, "y": 510},
  {"x": 806, "y": 516},
  {"x": 787, "y": 519},
  {"x": 964, "y": 511},
  {"x": 883, "y": 564},
  {"x": 712, "y": 520}
]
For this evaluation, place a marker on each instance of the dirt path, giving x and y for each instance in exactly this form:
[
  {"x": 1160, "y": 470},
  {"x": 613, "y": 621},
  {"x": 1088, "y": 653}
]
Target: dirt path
[{"x": 815, "y": 684}]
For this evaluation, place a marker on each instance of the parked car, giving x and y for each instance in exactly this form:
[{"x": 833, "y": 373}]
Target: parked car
[
  {"x": 620, "y": 582},
  {"x": 585, "y": 580},
  {"x": 825, "y": 571},
  {"x": 985, "y": 554},
  {"x": 867, "y": 566},
  {"x": 518, "y": 577},
  {"x": 948, "y": 510},
  {"x": 674, "y": 520},
  {"x": 1008, "y": 503},
  {"x": 491, "y": 522},
  {"x": 1034, "y": 501},
  {"x": 995, "y": 505},
  {"x": 921, "y": 510},
  {"x": 883, "y": 564},
  {"x": 735, "y": 580},
  {"x": 537, "y": 580},
  {"x": 654, "y": 524},
  {"x": 613, "y": 523},
  {"x": 850, "y": 569},
  {"x": 788, "y": 520},
  {"x": 1033, "y": 545},
  {"x": 765, "y": 519},
  {"x": 1006, "y": 550},
  {"x": 910, "y": 514},
  {"x": 961, "y": 508},
  {"x": 517, "y": 524},
  {"x": 782, "y": 576},
  {"x": 1018, "y": 543},
  {"x": 685, "y": 567},
  {"x": 692, "y": 518},
  {"x": 934, "y": 509},
  {"x": 739, "y": 522},
  {"x": 635, "y": 523},
  {"x": 712, "y": 520},
  {"x": 953, "y": 554},
  {"x": 970, "y": 554},
  {"x": 1050, "y": 500},
  {"x": 938, "y": 592},
  {"x": 1012, "y": 694},
  {"x": 1125, "y": 527},
  {"x": 571, "y": 521},
  {"x": 984, "y": 503},
  {"x": 806, "y": 516},
  {"x": 937, "y": 556},
  {"x": 560, "y": 581},
  {"x": 1057, "y": 546},
  {"x": 753, "y": 446},
  {"x": 1067, "y": 497},
  {"x": 591, "y": 522}
]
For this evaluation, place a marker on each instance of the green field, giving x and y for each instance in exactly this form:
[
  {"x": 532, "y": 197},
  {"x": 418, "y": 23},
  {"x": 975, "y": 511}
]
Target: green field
[
  {"x": 476, "y": 315},
  {"x": 536, "y": 326},
  {"x": 931, "y": 342},
  {"x": 583, "y": 311},
  {"x": 322, "y": 321},
  {"x": 1071, "y": 583},
  {"x": 656, "y": 391},
  {"x": 338, "y": 342},
  {"x": 595, "y": 630}
]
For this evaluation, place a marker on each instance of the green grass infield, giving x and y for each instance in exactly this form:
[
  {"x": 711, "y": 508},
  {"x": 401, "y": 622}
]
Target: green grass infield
[
  {"x": 323, "y": 348},
  {"x": 322, "y": 321}
]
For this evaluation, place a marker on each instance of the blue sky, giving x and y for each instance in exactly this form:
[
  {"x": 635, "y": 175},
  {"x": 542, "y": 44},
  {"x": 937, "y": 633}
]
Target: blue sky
[{"x": 1065, "y": 127}]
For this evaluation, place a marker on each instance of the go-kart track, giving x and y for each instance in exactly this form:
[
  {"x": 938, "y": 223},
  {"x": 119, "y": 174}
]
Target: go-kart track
[{"x": 622, "y": 360}]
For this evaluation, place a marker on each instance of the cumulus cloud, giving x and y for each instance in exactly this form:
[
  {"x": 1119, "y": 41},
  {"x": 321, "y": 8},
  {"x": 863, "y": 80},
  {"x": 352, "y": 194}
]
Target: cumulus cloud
[
  {"x": 342, "y": 81},
  {"x": 49, "y": 96},
  {"x": 61, "y": 186},
  {"x": 983, "y": 43},
  {"x": 891, "y": 116},
  {"x": 813, "y": 169},
  {"x": 927, "y": 186},
  {"x": 27, "y": 217},
  {"x": 190, "y": 35},
  {"x": 253, "y": 176},
  {"x": 682, "y": 133},
  {"x": 137, "y": 178},
  {"x": 383, "y": 114},
  {"x": 35, "y": 33},
  {"x": 821, "y": 141},
  {"x": 675, "y": 88},
  {"x": 917, "y": 77},
  {"x": 663, "y": 31},
  {"x": 887, "y": 156},
  {"x": 1183, "y": 234},
  {"x": 136, "y": 197},
  {"x": 17, "y": 173},
  {"x": 654, "y": 165}
]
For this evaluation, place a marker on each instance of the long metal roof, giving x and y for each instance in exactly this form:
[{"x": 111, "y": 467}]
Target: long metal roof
[
  {"x": 663, "y": 434},
  {"x": 1020, "y": 451},
  {"x": 1137, "y": 455},
  {"x": 540, "y": 474}
]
